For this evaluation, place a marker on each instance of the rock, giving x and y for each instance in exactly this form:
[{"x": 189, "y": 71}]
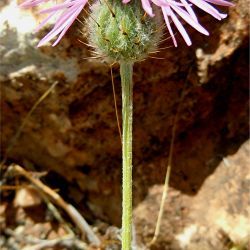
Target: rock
[
  {"x": 217, "y": 217},
  {"x": 73, "y": 132}
]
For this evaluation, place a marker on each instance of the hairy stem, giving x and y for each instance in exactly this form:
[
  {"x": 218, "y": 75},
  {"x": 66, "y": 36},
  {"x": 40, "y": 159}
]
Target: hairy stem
[{"x": 126, "y": 71}]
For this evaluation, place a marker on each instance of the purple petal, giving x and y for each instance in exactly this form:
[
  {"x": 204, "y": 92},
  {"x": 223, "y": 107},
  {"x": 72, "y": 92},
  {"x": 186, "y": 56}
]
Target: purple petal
[
  {"x": 163, "y": 3},
  {"x": 208, "y": 8},
  {"x": 31, "y": 3},
  {"x": 189, "y": 10},
  {"x": 165, "y": 14},
  {"x": 221, "y": 2},
  {"x": 62, "y": 33},
  {"x": 190, "y": 20},
  {"x": 57, "y": 7},
  {"x": 180, "y": 27},
  {"x": 64, "y": 22},
  {"x": 44, "y": 22},
  {"x": 147, "y": 7}
]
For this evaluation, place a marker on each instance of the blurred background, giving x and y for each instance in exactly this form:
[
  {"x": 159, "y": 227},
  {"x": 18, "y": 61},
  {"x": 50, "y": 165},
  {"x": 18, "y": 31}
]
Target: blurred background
[{"x": 69, "y": 140}]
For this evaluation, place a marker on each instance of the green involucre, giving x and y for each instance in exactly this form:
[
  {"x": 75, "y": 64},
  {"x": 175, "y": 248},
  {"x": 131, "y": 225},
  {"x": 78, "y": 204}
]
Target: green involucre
[{"x": 122, "y": 32}]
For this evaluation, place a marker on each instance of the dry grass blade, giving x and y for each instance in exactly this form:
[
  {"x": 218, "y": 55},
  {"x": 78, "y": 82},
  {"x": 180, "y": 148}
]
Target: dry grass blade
[
  {"x": 169, "y": 166},
  {"x": 69, "y": 209},
  {"x": 116, "y": 110},
  {"x": 26, "y": 118}
]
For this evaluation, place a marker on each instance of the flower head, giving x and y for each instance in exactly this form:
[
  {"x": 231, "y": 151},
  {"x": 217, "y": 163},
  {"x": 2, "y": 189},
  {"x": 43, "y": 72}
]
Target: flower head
[
  {"x": 128, "y": 37},
  {"x": 172, "y": 11}
]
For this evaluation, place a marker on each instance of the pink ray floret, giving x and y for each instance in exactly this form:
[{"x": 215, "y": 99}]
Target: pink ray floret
[
  {"x": 172, "y": 11},
  {"x": 70, "y": 10}
]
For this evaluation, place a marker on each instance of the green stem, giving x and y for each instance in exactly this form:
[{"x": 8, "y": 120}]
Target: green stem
[{"x": 126, "y": 71}]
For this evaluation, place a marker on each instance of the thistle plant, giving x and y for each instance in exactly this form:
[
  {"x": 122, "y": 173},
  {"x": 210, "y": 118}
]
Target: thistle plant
[{"x": 126, "y": 32}]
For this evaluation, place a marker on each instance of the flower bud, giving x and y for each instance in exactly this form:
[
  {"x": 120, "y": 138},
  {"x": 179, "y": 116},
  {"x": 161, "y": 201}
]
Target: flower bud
[{"x": 121, "y": 32}]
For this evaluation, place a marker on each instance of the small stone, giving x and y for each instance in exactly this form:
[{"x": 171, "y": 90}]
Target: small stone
[{"x": 27, "y": 197}]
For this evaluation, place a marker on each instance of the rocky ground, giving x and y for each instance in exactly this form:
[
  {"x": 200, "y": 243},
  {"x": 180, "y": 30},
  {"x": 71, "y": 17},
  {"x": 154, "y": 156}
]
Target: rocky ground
[{"x": 71, "y": 141}]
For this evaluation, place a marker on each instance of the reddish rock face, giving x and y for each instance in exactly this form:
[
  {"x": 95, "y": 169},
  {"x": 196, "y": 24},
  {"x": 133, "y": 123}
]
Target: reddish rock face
[{"x": 73, "y": 133}]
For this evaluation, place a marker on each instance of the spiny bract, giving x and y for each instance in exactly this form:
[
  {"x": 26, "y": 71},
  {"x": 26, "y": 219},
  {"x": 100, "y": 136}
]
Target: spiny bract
[{"x": 122, "y": 32}]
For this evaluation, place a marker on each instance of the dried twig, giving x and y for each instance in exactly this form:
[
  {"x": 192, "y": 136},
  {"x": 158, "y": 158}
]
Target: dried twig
[
  {"x": 68, "y": 242},
  {"x": 33, "y": 243},
  {"x": 69, "y": 209},
  {"x": 56, "y": 213},
  {"x": 9, "y": 187}
]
